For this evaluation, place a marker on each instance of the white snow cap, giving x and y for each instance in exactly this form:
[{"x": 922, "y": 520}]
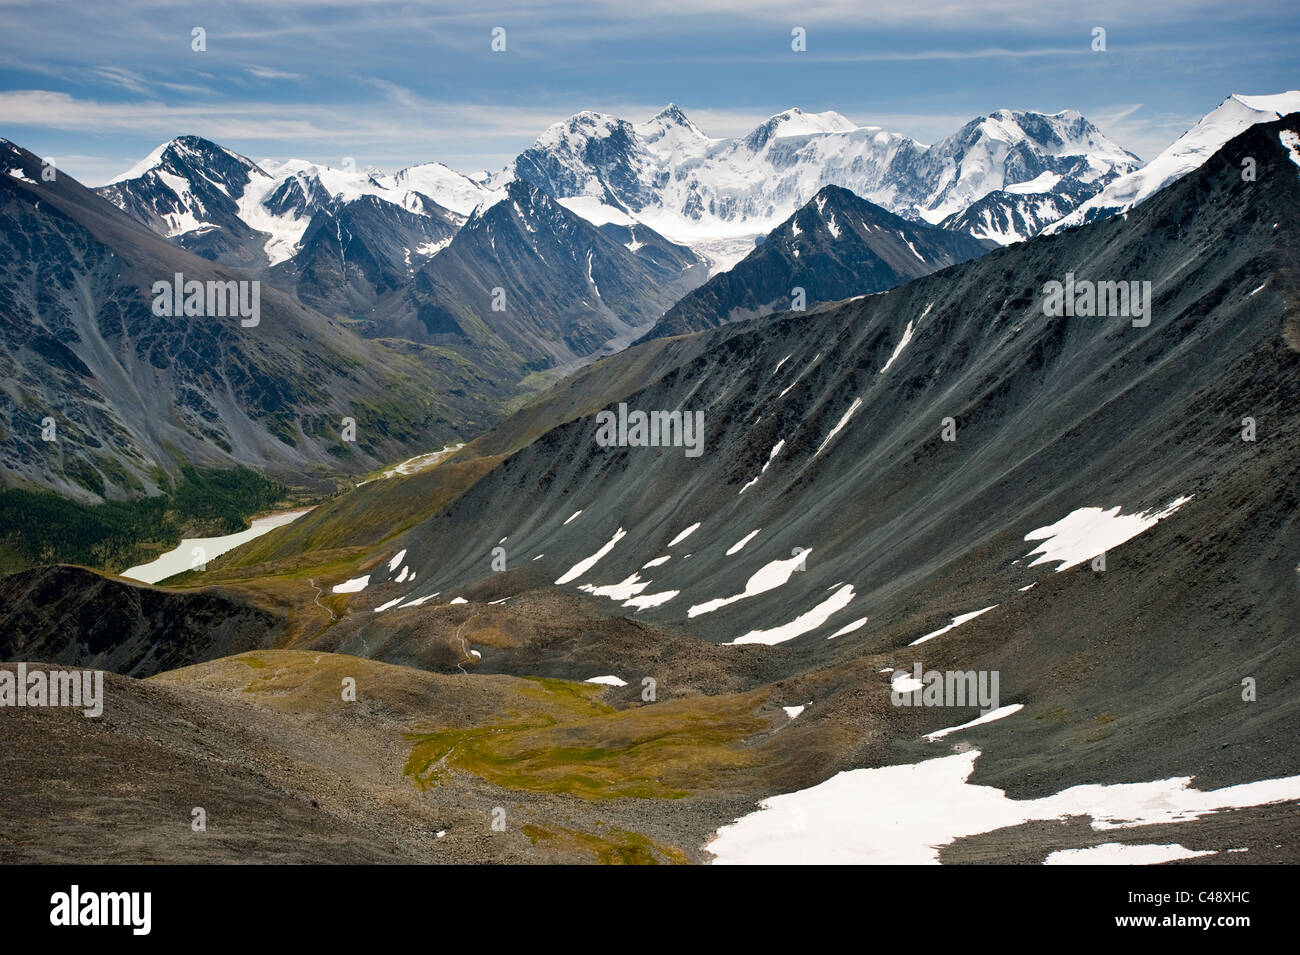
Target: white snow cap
[{"x": 1233, "y": 116}]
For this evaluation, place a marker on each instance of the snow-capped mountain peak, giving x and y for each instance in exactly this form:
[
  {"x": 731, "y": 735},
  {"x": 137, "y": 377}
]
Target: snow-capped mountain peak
[
  {"x": 184, "y": 152},
  {"x": 591, "y": 154},
  {"x": 187, "y": 185},
  {"x": 719, "y": 195},
  {"x": 447, "y": 187},
  {"x": 1233, "y": 116},
  {"x": 190, "y": 187},
  {"x": 1011, "y": 147},
  {"x": 670, "y": 133},
  {"x": 575, "y": 132},
  {"x": 795, "y": 122}
]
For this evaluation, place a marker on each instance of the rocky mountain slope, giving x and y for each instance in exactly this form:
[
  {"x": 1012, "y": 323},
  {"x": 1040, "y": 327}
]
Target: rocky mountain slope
[{"x": 829, "y": 531}]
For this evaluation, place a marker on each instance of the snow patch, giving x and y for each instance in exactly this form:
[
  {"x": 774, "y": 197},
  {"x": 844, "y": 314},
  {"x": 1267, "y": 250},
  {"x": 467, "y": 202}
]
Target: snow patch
[
  {"x": 989, "y": 717},
  {"x": 1288, "y": 138},
  {"x": 849, "y": 628},
  {"x": 904, "y": 682},
  {"x": 898, "y": 349},
  {"x": 645, "y": 601},
  {"x": 1120, "y": 853},
  {"x": 625, "y": 589},
  {"x": 768, "y": 577},
  {"x": 956, "y": 622},
  {"x": 582, "y": 566},
  {"x": 906, "y": 814},
  {"x": 684, "y": 534},
  {"x": 801, "y": 624},
  {"x": 857, "y": 402},
  {"x": 352, "y": 586},
  {"x": 739, "y": 545},
  {"x": 1084, "y": 533}
]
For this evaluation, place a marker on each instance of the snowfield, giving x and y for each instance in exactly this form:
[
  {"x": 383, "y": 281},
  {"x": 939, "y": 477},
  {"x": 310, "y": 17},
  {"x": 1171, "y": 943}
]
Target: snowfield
[{"x": 903, "y": 815}]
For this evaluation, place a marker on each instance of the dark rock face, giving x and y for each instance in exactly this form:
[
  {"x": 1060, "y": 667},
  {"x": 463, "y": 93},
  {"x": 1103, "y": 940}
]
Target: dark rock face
[
  {"x": 1006, "y": 217},
  {"x": 214, "y": 179},
  {"x": 73, "y": 617},
  {"x": 356, "y": 252}
]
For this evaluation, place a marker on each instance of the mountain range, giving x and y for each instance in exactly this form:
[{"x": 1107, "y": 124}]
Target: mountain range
[
  {"x": 714, "y": 194},
  {"x": 629, "y": 653},
  {"x": 481, "y": 284}
]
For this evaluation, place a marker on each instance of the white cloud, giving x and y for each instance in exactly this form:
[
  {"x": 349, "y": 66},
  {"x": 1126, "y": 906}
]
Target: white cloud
[{"x": 268, "y": 73}]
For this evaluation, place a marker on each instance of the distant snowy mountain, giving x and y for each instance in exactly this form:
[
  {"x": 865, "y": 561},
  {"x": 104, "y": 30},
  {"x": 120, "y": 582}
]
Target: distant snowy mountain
[
  {"x": 450, "y": 189},
  {"x": 716, "y": 196},
  {"x": 1003, "y": 177},
  {"x": 1188, "y": 152},
  {"x": 719, "y": 195},
  {"x": 195, "y": 193},
  {"x": 228, "y": 208},
  {"x": 1021, "y": 211},
  {"x": 1012, "y": 150}
]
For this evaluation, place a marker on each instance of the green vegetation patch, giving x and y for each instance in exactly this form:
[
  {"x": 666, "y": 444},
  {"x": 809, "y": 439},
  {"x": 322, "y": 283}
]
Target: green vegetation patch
[
  {"x": 619, "y": 847},
  {"x": 568, "y": 742}
]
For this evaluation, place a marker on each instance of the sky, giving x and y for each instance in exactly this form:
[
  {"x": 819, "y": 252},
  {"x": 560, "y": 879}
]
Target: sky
[{"x": 97, "y": 85}]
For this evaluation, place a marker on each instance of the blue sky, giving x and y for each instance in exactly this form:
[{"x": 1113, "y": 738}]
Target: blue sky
[{"x": 98, "y": 85}]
